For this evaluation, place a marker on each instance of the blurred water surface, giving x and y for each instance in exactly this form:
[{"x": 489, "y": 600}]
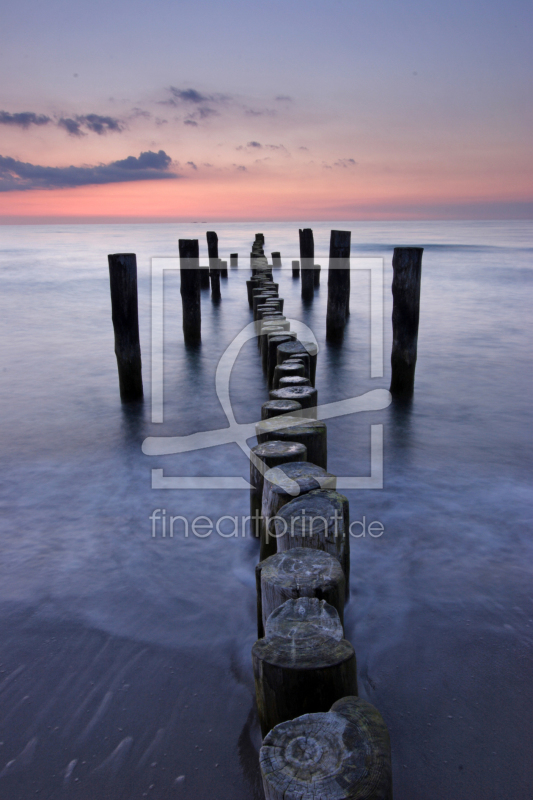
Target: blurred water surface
[{"x": 126, "y": 661}]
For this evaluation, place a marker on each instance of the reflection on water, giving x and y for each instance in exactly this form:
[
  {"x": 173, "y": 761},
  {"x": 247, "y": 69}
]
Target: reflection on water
[{"x": 127, "y": 669}]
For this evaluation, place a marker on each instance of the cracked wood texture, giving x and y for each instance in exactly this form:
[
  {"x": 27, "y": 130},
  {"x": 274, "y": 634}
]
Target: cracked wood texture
[
  {"x": 262, "y": 458},
  {"x": 343, "y": 754}
]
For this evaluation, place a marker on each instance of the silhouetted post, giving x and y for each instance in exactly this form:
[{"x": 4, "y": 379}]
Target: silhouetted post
[
  {"x": 125, "y": 316},
  {"x": 295, "y": 269},
  {"x": 223, "y": 269},
  {"x": 276, "y": 259},
  {"x": 214, "y": 264},
  {"x": 234, "y": 259},
  {"x": 204, "y": 277},
  {"x": 190, "y": 290},
  {"x": 316, "y": 276},
  {"x": 338, "y": 284},
  {"x": 407, "y": 272},
  {"x": 307, "y": 261}
]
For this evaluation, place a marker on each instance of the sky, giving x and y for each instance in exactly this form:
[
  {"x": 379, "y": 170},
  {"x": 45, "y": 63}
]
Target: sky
[{"x": 202, "y": 110}]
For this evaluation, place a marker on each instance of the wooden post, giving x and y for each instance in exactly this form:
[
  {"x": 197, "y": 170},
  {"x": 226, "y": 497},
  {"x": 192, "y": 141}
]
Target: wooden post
[
  {"x": 407, "y": 273},
  {"x": 343, "y": 754},
  {"x": 316, "y": 276},
  {"x": 234, "y": 259},
  {"x": 281, "y": 485},
  {"x": 295, "y": 269},
  {"x": 262, "y": 458},
  {"x": 214, "y": 264},
  {"x": 307, "y": 260},
  {"x": 274, "y": 408},
  {"x": 276, "y": 260},
  {"x": 306, "y": 350},
  {"x": 125, "y": 316},
  {"x": 341, "y": 504},
  {"x": 311, "y": 432},
  {"x": 190, "y": 290},
  {"x": 338, "y": 307},
  {"x": 301, "y": 572},
  {"x": 315, "y": 522},
  {"x": 307, "y": 396},
  {"x": 204, "y": 278},
  {"x": 288, "y": 381},
  {"x": 303, "y": 665},
  {"x": 272, "y": 355},
  {"x": 223, "y": 269},
  {"x": 286, "y": 369}
]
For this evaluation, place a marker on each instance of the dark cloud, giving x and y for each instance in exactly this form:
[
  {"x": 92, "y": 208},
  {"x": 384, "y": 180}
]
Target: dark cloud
[
  {"x": 253, "y": 144},
  {"x": 284, "y": 98},
  {"x": 303, "y": 148},
  {"x": 240, "y": 168},
  {"x": 92, "y": 122},
  {"x": 190, "y": 122},
  {"x": 192, "y": 164},
  {"x": 345, "y": 162},
  {"x": 18, "y": 175},
  {"x": 189, "y": 95},
  {"x": 23, "y": 119}
]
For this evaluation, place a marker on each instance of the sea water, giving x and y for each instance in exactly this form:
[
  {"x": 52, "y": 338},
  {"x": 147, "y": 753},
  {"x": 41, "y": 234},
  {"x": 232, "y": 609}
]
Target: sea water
[{"x": 126, "y": 666}]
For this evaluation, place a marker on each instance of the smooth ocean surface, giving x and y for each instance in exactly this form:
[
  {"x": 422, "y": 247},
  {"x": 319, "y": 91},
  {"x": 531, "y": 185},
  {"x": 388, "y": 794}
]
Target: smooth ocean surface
[{"x": 126, "y": 668}]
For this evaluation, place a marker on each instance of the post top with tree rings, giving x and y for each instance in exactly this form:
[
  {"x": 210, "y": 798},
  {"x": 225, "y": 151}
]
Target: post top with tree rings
[
  {"x": 273, "y": 408},
  {"x": 293, "y": 380},
  {"x": 328, "y": 756},
  {"x": 311, "y": 519},
  {"x": 276, "y": 449},
  {"x": 306, "y": 395},
  {"x": 285, "y": 424},
  {"x": 304, "y": 634},
  {"x": 298, "y": 477},
  {"x": 310, "y": 569}
]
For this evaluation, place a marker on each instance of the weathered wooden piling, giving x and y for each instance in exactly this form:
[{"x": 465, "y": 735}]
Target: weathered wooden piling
[
  {"x": 317, "y": 521},
  {"x": 125, "y": 316},
  {"x": 262, "y": 458},
  {"x": 300, "y": 572},
  {"x": 341, "y": 507},
  {"x": 272, "y": 357},
  {"x": 307, "y": 260},
  {"x": 343, "y": 754},
  {"x": 407, "y": 273},
  {"x": 281, "y": 485},
  {"x": 303, "y": 664},
  {"x": 284, "y": 369},
  {"x": 234, "y": 259},
  {"x": 338, "y": 307},
  {"x": 276, "y": 260},
  {"x": 295, "y": 269},
  {"x": 190, "y": 290},
  {"x": 223, "y": 269},
  {"x": 316, "y": 276},
  {"x": 273, "y": 408},
  {"x": 214, "y": 264},
  {"x": 305, "y": 350},
  {"x": 311, "y": 432},
  {"x": 287, "y": 381},
  {"x": 307, "y": 396}
]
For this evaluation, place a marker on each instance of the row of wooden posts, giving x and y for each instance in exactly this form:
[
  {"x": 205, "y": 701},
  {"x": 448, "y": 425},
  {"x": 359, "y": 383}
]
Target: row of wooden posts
[
  {"x": 320, "y": 739},
  {"x": 407, "y": 268}
]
